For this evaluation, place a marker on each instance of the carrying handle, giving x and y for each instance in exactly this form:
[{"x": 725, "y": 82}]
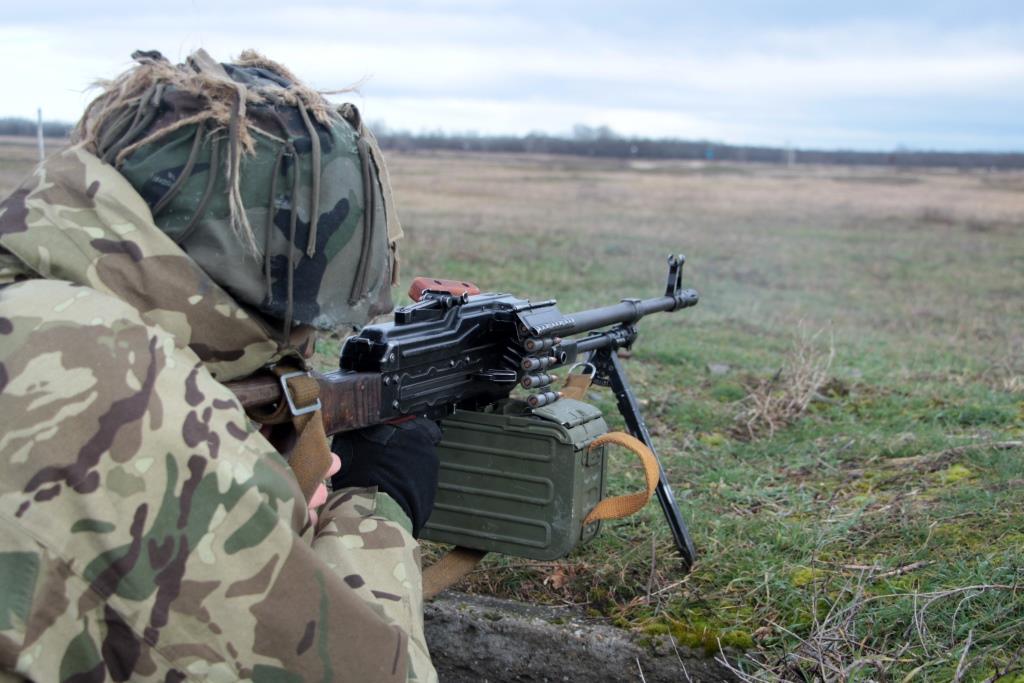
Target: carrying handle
[{"x": 625, "y": 505}]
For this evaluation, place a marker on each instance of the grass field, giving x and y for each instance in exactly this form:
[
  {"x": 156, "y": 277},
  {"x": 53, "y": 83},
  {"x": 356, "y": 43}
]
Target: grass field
[
  {"x": 876, "y": 535},
  {"x": 853, "y": 480}
]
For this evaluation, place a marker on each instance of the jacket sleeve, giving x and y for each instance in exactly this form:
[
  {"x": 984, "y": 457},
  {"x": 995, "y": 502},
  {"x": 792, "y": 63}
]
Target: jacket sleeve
[
  {"x": 366, "y": 538},
  {"x": 153, "y": 534}
]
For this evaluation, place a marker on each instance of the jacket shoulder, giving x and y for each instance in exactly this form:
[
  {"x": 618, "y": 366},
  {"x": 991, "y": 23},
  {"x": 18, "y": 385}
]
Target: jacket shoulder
[
  {"x": 128, "y": 473},
  {"x": 30, "y": 306}
]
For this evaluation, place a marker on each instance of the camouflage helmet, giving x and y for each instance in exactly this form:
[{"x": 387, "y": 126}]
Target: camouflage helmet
[{"x": 278, "y": 195}]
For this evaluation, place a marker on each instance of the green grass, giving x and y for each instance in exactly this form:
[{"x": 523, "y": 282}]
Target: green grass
[{"x": 884, "y": 504}]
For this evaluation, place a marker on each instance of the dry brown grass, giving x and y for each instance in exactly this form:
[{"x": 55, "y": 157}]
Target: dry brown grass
[
  {"x": 932, "y": 254},
  {"x": 18, "y": 156},
  {"x": 777, "y": 401},
  {"x": 834, "y": 650},
  {"x": 687, "y": 196}
]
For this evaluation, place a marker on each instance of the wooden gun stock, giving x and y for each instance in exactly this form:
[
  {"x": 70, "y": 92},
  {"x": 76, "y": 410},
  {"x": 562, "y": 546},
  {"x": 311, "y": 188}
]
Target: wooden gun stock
[{"x": 350, "y": 400}]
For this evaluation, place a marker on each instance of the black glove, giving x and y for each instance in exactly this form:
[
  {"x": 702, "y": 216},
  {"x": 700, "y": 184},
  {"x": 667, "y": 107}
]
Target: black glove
[{"x": 399, "y": 459}]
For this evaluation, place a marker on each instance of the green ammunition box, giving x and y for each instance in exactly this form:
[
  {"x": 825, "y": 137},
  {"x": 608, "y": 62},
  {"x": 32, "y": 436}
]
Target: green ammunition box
[{"x": 519, "y": 481}]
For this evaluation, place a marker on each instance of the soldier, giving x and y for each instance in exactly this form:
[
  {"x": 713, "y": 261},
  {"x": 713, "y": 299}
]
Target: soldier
[{"x": 208, "y": 220}]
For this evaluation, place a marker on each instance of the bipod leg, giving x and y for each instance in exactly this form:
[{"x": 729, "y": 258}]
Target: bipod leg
[{"x": 608, "y": 364}]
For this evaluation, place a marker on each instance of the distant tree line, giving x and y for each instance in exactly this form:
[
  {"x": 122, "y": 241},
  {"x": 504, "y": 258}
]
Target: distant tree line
[
  {"x": 604, "y": 142},
  {"x": 18, "y": 126}
]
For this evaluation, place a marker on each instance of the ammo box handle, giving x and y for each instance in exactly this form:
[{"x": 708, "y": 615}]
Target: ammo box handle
[{"x": 618, "y": 507}]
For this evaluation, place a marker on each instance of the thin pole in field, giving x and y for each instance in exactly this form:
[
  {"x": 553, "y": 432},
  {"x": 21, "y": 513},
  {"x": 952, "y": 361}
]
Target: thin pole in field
[{"x": 39, "y": 134}]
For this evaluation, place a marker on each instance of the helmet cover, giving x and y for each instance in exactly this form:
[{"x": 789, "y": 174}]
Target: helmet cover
[{"x": 272, "y": 191}]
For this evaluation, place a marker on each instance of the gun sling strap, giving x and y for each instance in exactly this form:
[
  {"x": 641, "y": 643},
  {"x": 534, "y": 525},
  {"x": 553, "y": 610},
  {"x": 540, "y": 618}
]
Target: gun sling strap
[
  {"x": 576, "y": 385},
  {"x": 461, "y": 561},
  {"x": 310, "y": 454}
]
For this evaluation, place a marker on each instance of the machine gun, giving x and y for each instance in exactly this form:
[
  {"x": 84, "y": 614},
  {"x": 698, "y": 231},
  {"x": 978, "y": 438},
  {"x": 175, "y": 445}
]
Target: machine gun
[{"x": 457, "y": 348}]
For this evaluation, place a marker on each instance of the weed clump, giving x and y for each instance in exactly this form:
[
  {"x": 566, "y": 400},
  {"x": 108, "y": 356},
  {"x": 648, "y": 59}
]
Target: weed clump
[{"x": 773, "y": 403}]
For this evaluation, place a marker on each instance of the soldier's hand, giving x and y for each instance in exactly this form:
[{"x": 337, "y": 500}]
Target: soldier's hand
[
  {"x": 400, "y": 459},
  {"x": 319, "y": 496}
]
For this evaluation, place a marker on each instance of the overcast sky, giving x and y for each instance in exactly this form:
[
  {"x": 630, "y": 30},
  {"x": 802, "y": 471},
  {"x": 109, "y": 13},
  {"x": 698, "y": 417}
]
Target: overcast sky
[{"x": 861, "y": 75}]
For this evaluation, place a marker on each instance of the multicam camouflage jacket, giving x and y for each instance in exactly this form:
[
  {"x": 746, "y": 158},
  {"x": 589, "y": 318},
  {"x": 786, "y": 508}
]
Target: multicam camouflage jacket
[{"x": 147, "y": 530}]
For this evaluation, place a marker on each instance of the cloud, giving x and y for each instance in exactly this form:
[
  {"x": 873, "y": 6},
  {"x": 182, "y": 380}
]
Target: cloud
[{"x": 738, "y": 75}]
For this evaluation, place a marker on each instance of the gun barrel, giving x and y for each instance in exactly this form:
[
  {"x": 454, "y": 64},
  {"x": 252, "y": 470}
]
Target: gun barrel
[{"x": 628, "y": 311}]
